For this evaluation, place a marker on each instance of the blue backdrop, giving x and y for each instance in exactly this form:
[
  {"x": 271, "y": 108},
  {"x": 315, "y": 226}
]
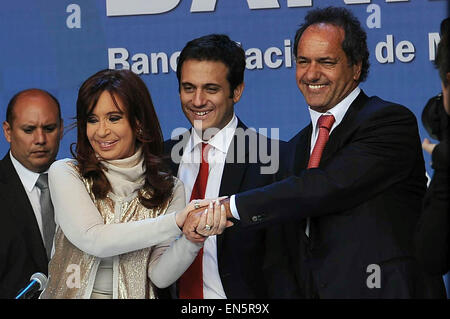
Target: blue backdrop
[{"x": 57, "y": 44}]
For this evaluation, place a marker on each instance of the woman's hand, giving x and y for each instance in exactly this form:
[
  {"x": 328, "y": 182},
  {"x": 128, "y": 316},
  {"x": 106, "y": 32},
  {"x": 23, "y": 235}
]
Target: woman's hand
[
  {"x": 202, "y": 223},
  {"x": 213, "y": 221},
  {"x": 195, "y": 204}
]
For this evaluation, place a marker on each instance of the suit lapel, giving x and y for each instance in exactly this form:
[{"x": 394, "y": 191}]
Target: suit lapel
[
  {"x": 302, "y": 149},
  {"x": 295, "y": 232},
  {"x": 23, "y": 212},
  {"x": 232, "y": 177},
  {"x": 234, "y": 170},
  {"x": 339, "y": 134}
]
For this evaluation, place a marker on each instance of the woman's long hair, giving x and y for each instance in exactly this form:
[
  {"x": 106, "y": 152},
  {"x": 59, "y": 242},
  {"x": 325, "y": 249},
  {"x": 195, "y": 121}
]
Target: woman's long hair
[{"x": 135, "y": 97}]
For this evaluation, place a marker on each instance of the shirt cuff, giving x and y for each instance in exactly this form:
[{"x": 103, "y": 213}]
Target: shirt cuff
[{"x": 233, "y": 208}]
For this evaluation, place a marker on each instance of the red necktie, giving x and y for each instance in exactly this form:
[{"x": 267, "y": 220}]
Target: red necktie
[
  {"x": 191, "y": 282},
  {"x": 324, "y": 123}
]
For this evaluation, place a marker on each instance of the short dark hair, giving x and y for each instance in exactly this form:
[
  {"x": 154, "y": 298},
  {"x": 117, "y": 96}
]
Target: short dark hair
[
  {"x": 442, "y": 60},
  {"x": 136, "y": 99},
  {"x": 13, "y": 101},
  {"x": 445, "y": 27},
  {"x": 355, "y": 42},
  {"x": 216, "y": 47}
]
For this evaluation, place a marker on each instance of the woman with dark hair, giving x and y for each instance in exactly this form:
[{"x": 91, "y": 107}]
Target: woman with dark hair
[{"x": 118, "y": 212}]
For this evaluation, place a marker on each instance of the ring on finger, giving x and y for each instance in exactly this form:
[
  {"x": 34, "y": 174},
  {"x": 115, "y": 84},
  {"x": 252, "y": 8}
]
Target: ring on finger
[
  {"x": 196, "y": 205},
  {"x": 207, "y": 227}
]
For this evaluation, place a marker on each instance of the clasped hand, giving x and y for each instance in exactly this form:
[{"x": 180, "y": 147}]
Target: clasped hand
[
  {"x": 203, "y": 218},
  {"x": 428, "y": 146}
]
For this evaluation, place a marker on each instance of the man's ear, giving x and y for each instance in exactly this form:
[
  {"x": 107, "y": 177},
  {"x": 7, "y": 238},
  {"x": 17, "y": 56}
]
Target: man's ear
[
  {"x": 237, "y": 93},
  {"x": 7, "y": 131},
  {"x": 357, "y": 71},
  {"x": 61, "y": 131}
]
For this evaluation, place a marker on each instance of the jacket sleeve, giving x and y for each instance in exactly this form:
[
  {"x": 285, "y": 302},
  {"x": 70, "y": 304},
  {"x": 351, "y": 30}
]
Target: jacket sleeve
[
  {"x": 170, "y": 259},
  {"x": 381, "y": 150},
  {"x": 84, "y": 227}
]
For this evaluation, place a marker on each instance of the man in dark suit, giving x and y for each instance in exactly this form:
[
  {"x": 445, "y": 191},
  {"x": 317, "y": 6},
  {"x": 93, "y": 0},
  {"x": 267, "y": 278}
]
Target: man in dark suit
[
  {"x": 33, "y": 127},
  {"x": 234, "y": 264},
  {"x": 358, "y": 176},
  {"x": 433, "y": 231}
]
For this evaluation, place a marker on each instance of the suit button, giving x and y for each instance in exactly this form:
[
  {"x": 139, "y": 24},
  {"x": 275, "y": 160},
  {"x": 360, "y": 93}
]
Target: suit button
[{"x": 257, "y": 218}]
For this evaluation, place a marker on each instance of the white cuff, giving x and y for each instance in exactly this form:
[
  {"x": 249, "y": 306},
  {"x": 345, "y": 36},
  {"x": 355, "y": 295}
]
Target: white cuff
[{"x": 233, "y": 208}]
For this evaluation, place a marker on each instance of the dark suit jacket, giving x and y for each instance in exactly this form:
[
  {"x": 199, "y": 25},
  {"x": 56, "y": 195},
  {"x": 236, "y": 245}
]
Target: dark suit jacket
[
  {"x": 433, "y": 231},
  {"x": 251, "y": 264},
  {"x": 22, "y": 251},
  {"x": 364, "y": 202}
]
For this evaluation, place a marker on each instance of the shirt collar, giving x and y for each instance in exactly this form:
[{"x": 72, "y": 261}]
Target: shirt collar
[
  {"x": 27, "y": 177},
  {"x": 220, "y": 141},
  {"x": 338, "y": 111}
]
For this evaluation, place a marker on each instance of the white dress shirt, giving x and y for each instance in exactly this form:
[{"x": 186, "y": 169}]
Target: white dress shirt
[
  {"x": 338, "y": 111},
  {"x": 187, "y": 173},
  {"x": 28, "y": 179}
]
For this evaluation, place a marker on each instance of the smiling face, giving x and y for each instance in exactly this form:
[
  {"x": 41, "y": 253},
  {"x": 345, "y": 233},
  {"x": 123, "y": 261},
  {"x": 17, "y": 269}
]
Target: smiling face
[
  {"x": 35, "y": 130},
  {"x": 205, "y": 94},
  {"x": 323, "y": 74},
  {"x": 108, "y": 129}
]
